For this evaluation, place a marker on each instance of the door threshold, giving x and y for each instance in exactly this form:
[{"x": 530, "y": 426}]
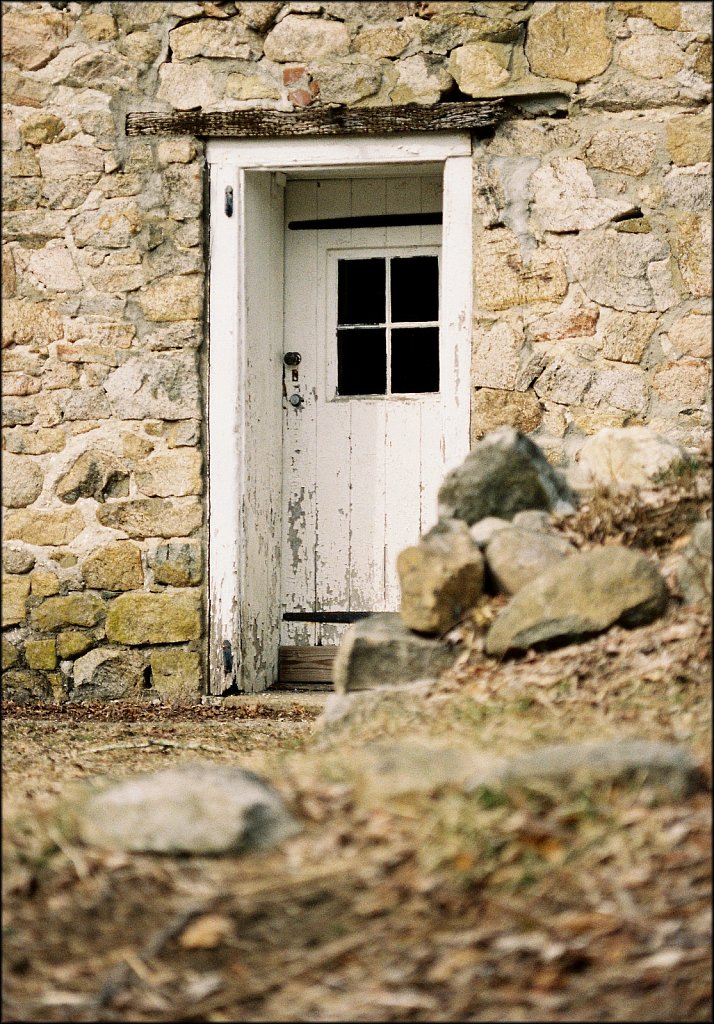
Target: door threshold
[
  {"x": 306, "y": 664},
  {"x": 301, "y": 688}
]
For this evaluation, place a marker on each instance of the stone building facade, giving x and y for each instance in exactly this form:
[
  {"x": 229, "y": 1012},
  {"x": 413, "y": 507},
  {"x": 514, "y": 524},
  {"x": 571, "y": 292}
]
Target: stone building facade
[{"x": 592, "y": 271}]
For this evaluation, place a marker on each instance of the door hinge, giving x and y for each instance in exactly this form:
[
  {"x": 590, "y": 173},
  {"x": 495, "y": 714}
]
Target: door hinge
[
  {"x": 229, "y": 201},
  {"x": 227, "y": 656}
]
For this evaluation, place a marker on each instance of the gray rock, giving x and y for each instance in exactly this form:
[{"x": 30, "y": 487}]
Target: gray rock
[
  {"x": 25, "y": 686},
  {"x": 533, "y": 519},
  {"x": 503, "y": 474},
  {"x": 616, "y": 760},
  {"x": 95, "y": 474},
  {"x": 482, "y": 531},
  {"x": 389, "y": 770},
  {"x": 164, "y": 386},
  {"x": 17, "y": 560},
  {"x": 441, "y": 577},
  {"x": 198, "y": 809},
  {"x": 108, "y": 673},
  {"x": 586, "y": 594},
  {"x": 380, "y": 651},
  {"x": 22, "y": 480},
  {"x": 695, "y": 567},
  {"x": 627, "y": 457},
  {"x": 516, "y": 556},
  {"x": 345, "y": 710}
]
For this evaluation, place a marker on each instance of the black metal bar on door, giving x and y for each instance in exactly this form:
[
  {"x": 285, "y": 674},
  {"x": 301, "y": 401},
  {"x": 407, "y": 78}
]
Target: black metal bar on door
[
  {"x": 381, "y": 220},
  {"x": 336, "y": 617}
]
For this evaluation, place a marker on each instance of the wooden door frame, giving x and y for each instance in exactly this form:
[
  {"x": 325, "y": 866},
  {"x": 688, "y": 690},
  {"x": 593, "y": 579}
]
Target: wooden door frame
[{"x": 229, "y": 341}]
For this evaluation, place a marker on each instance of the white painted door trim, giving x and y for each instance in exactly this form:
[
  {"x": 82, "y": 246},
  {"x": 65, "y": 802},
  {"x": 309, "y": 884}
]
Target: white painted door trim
[{"x": 228, "y": 430}]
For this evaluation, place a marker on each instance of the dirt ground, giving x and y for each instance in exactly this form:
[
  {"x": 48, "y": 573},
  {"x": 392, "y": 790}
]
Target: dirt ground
[{"x": 519, "y": 903}]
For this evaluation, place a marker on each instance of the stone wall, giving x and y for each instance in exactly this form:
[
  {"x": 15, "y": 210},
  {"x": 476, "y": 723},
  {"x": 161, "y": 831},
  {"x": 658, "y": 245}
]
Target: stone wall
[{"x": 592, "y": 271}]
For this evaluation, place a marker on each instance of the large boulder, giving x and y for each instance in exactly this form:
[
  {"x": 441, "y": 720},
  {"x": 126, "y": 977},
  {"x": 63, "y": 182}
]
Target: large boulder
[
  {"x": 585, "y": 594},
  {"x": 515, "y": 556},
  {"x": 626, "y": 457},
  {"x": 503, "y": 474},
  {"x": 695, "y": 567},
  {"x": 195, "y": 809},
  {"x": 380, "y": 651},
  {"x": 441, "y": 577}
]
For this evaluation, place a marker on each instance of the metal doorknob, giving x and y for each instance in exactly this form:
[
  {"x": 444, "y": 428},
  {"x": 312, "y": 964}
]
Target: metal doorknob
[
  {"x": 296, "y": 401},
  {"x": 292, "y": 358}
]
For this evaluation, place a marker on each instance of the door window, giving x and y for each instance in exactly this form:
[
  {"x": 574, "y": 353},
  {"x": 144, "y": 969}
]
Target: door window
[{"x": 387, "y": 325}]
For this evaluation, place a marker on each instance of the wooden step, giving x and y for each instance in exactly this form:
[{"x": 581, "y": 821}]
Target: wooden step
[{"x": 306, "y": 664}]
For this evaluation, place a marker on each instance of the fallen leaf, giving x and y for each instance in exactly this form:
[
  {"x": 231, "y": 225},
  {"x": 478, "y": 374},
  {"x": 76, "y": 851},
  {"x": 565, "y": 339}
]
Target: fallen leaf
[{"x": 206, "y": 932}]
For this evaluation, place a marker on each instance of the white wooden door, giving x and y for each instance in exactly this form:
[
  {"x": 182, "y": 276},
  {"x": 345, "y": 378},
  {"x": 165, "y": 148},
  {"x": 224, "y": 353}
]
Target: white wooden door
[{"x": 363, "y": 451}]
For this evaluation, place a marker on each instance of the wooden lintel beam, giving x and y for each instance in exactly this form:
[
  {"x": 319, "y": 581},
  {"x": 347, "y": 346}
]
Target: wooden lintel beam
[{"x": 409, "y": 117}]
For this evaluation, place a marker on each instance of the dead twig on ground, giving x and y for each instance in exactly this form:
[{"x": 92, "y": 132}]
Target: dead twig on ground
[
  {"x": 119, "y": 976},
  {"x": 157, "y": 743}
]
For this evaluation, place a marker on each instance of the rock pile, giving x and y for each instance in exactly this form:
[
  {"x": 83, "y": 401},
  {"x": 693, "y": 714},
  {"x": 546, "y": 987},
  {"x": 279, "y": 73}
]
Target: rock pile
[{"x": 496, "y": 534}]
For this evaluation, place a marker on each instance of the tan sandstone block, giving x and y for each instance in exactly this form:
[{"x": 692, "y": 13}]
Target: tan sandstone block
[
  {"x": 41, "y": 654},
  {"x": 685, "y": 382},
  {"x": 481, "y": 67},
  {"x": 22, "y": 480},
  {"x": 502, "y": 279},
  {"x": 689, "y": 138},
  {"x": 626, "y": 152},
  {"x": 71, "y": 643},
  {"x": 569, "y": 41},
  {"x": 116, "y": 566},
  {"x": 627, "y": 335},
  {"x": 491, "y": 408},
  {"x": 44, "y": 583},
  {"x": 176, "y": 674},
  {"x": 299, "y": 38},
  {"x": 155, "y": 618},
  {"x": 665, "y": 14},
  {"x": 44, "y": 527},
  {"x": 74, "y": 610},
  {"x": 10, "y": 654},
  {"x": 651, "y": 56},
  {"x": 171, "y": 474},
  {"x": 382, "y": 42},
  {"x": 691, "y": 240},
  {"x": 15, "y": 591},
  {"x": 41, "y": 127},
  {"x": 30, "y": 39},
  {"x": 28, "y": 323},
  {"x": 173, "y": 298},
  {"x": 152, "y": 517},
  {"x": 692, "y": 335}
]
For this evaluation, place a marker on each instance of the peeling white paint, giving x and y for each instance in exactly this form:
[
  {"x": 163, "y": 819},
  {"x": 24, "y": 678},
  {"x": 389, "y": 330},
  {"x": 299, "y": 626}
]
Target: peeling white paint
[{"x": 245, "y": 500}]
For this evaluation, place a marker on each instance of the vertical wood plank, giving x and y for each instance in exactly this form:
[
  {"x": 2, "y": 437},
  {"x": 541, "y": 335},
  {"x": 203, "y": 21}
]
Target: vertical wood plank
[
  {"x": 403, "y": 196},
  {"x": 367, "y": 506},
  {"x": 300, "y": 425},
  {"x": 403, "y": 490},
  {"x": 456, "y": 310},
  {"x": 367, "y": 426},
  {"x": 334, "y": 439},
  {"x": 225, "y": 425},
  {"x": 432, "y": 460},
  {"x": 431, "y": 193},
  {"x": 432, "y": 465},
  {"x": 261, "y": 507}
]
